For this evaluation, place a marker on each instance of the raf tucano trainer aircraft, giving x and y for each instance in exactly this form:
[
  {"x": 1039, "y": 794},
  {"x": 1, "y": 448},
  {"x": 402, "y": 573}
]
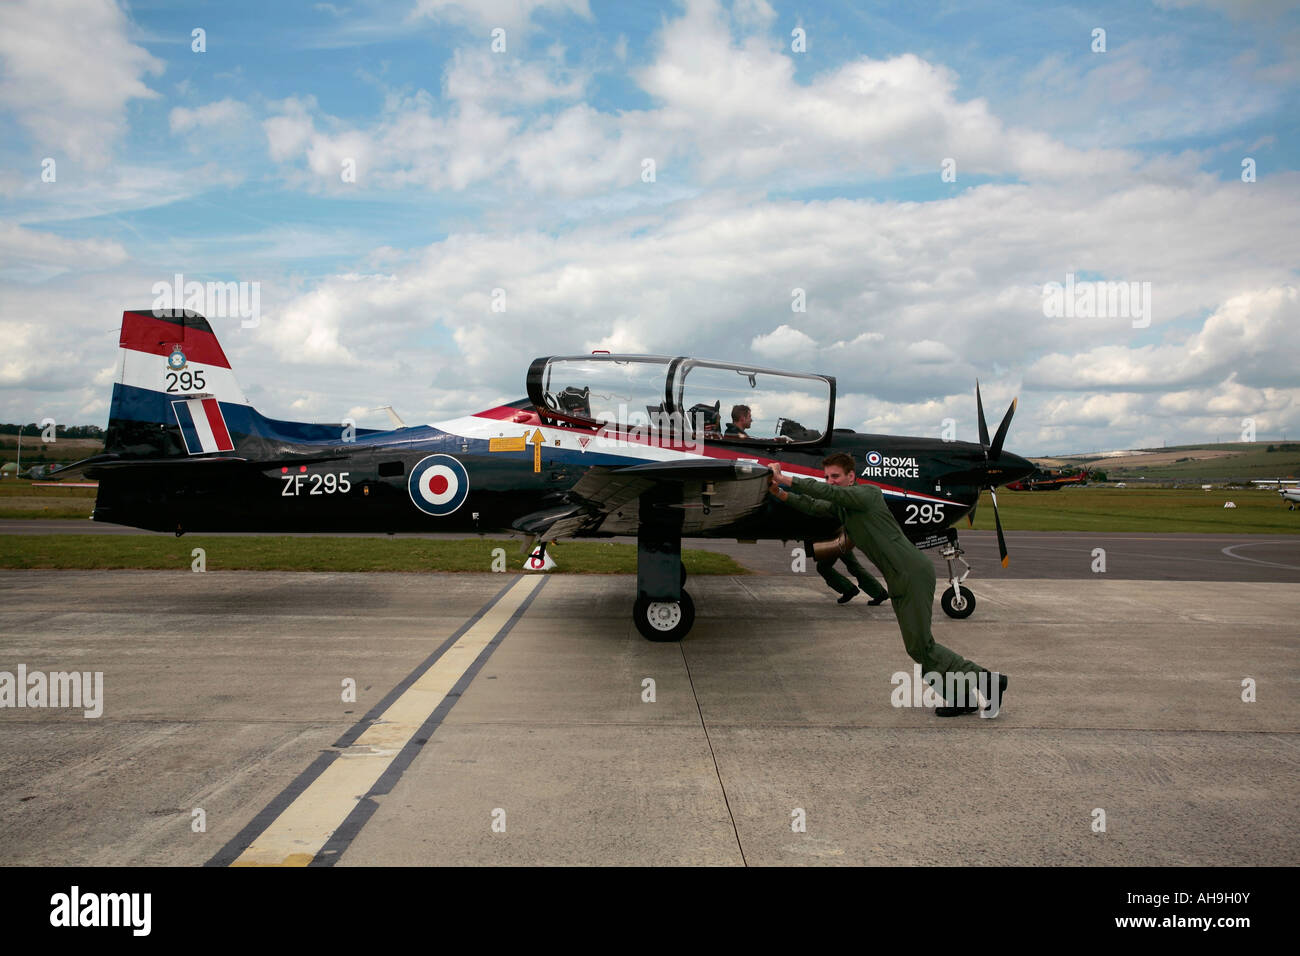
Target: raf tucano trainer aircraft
[{"x": 604, "y": 445}]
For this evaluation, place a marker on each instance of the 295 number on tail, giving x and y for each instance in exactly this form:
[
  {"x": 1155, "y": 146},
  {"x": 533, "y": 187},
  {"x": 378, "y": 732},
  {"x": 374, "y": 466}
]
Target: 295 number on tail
[{"x": 186, "y": 381}]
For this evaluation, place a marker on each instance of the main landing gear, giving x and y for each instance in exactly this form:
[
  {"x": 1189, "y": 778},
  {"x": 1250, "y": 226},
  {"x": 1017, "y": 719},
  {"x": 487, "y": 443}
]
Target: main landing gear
[
  {"x": 957, "y": 601},
  {"x": 663, "y": 610}
]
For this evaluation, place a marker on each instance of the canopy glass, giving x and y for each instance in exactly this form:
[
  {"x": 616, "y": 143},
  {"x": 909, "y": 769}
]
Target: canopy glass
[{"x": 684, "y": 398}]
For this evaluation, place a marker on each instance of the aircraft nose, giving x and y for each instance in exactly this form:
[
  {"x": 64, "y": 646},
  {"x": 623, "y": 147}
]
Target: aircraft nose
[{"x": 1014, "y": 467}]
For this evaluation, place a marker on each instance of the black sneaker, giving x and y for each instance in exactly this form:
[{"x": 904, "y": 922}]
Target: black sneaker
[
  {"x": 848, "y": 596},
  {"x": 946, "y": 711},
  {"x": 880, "y": 600},
  {"x": 994, "y": 707},
  {"x": 989, "y": 711}
]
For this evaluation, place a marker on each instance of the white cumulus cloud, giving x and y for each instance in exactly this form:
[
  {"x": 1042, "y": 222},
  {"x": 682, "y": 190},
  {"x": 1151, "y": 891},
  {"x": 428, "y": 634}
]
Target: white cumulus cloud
[{"x": 68, "y": 73}]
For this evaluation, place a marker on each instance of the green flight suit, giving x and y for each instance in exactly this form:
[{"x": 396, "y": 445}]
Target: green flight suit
[
  {"x": 841, "y": 584},
  {"x": 908, "y": 572}
]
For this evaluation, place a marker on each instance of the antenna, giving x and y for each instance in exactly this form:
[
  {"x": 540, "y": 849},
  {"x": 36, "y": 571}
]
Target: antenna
[{"x": 396, "y": 419}]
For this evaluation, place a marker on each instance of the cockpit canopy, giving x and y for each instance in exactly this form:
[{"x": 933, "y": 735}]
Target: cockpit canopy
[{"x": 684, "y": 398}]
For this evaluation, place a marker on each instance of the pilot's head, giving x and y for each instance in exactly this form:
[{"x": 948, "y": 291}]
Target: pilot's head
[
  {"x": 741, "y": 416},
  {"x": 840, "y": 469}
]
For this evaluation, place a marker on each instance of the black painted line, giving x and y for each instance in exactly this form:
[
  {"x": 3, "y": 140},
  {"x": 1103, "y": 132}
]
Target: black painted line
[
  {"x": 349, "y": 738},
  {"x": 342, "y": 837},
  {"x": 268, "y": 814}
]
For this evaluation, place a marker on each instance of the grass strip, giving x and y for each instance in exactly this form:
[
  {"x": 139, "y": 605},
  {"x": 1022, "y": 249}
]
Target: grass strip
[
  {"x": 1157, "y": 510},
  {"x": 309, "y": 553}
]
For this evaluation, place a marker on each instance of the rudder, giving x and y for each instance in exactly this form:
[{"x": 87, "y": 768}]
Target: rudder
[{"x": 173, "y": 380}]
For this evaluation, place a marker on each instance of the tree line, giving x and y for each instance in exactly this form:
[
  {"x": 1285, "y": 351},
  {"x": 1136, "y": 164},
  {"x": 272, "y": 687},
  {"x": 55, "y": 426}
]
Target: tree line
[{"x": 60, "y": 431}]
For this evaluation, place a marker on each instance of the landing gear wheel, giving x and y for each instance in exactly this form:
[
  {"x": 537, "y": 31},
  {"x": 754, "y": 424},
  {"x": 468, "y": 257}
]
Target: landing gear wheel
[
  {"x": 958, "y": 606},
  {"x": 664, "y": 620}
]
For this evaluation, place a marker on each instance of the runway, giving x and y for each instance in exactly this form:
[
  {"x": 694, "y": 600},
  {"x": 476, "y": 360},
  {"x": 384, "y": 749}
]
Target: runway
[
  {"x": 1072, "y": 555},
  {"x": 507, "y": 720}
]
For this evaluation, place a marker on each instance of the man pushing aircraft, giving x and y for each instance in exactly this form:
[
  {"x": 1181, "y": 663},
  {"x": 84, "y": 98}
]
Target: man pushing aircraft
[{"x": 908, "y": 574}]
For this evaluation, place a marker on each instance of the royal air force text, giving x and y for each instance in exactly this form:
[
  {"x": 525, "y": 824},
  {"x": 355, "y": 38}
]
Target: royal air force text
[{"x": 893, "y": 468}]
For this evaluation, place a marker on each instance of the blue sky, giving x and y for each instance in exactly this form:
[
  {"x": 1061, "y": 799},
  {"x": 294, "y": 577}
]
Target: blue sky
[{"x": 775, "y": 169}]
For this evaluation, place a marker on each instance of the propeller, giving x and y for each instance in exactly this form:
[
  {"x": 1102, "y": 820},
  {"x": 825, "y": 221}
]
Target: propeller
[{"x": 991, "y": 453}]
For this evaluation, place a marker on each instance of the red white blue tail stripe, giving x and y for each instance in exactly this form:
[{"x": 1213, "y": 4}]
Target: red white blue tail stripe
[{"x": 202, "y": 426}]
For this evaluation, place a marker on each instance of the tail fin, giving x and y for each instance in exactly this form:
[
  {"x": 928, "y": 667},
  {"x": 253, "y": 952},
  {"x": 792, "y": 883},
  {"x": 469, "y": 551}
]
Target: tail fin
[
  {"x": 175, "y": 395},
  {"x": 173, "y": 380}
]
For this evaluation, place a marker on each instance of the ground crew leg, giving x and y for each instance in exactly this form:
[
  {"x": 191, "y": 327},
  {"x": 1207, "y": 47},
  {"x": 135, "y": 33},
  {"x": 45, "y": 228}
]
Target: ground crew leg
[
  {"x": 837, "y": 581},
  {"x": 866, "y": 580},
  {"x": 913, "y": 603}
]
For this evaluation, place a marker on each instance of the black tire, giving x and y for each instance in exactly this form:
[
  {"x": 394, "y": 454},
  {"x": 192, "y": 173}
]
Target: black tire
[
  {"x": 949, "y": 601},
  {"x": 683, "y": 583},
  {"x": 664, "y": 621}
]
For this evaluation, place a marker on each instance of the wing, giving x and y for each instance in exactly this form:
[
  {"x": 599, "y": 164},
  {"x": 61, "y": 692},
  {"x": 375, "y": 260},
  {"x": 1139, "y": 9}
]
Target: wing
[{"x": 711, "y": 495}]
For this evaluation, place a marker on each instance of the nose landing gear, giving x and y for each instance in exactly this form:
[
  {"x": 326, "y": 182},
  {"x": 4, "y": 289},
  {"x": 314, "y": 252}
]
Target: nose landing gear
[{"x": 958, "y": 601}]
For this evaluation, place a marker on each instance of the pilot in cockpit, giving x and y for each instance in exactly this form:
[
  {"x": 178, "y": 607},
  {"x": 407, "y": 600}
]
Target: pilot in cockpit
[{"x": 741, "y": 419}]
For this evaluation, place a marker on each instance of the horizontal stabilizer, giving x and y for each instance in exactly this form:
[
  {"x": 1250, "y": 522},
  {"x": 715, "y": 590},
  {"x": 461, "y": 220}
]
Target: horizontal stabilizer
[{"x": 103, "y": 464}]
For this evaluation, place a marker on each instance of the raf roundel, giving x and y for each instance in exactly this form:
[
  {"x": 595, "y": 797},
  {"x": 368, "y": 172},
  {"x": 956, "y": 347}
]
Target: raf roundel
[
  {"x": 873, "y": 458},
  {"x": 438, "y": 485}
]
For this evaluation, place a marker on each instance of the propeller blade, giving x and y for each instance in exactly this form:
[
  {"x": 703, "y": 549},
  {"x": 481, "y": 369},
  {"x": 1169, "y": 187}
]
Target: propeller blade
[
  {"x": 1002, "y": 541},
  {"x": 984, "y": 428},
  {"x": 991, "y": 454},
  {"x": 1001, "y": 436}
]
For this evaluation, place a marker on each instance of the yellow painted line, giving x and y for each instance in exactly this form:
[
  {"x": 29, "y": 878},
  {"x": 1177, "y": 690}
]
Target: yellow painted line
[
  {"x": 519, "y": 443},
  {"x": 298, "y": 834}
]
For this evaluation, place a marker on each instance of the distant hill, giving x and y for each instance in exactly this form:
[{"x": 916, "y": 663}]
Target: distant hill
[
  {"x": 36, "y": 452},
  {"x": 1213, "y": 462}
]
